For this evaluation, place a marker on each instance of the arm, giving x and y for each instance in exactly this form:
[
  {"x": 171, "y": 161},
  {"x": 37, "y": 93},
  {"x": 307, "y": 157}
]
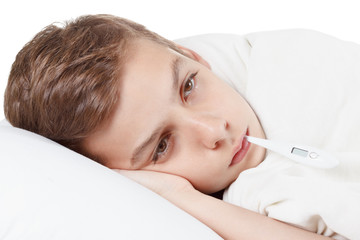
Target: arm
[
  {"x": 227, "y": 220},
  {"x": 233, "y": 222}
]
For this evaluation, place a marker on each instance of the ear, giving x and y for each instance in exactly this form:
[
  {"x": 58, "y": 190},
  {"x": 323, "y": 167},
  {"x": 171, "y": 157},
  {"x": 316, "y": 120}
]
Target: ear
[{"x": 193, "y": 55}]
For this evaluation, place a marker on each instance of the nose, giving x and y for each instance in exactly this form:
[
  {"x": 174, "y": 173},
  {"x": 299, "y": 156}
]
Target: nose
[{"x": 208, "y": 129}]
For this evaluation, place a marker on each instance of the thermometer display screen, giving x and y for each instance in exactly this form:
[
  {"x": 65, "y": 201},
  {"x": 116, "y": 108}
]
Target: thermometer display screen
[{"x": 299, "y": 152}]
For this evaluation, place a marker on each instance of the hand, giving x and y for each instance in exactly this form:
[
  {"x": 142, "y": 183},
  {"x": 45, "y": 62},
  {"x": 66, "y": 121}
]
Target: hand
[{"x": 166, "y": 185}]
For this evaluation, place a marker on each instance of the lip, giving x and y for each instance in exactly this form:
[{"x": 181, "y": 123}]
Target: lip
[{"x": 240, "y": 150}]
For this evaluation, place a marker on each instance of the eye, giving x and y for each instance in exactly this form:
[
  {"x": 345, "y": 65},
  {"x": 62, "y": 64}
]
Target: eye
[
  {"x": 161, "y": 148},
  {"x": 188, "y": 86}
]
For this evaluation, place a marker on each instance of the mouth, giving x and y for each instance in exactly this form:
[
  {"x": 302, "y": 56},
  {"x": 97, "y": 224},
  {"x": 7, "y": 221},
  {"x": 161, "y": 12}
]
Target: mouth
[{"x": 240, "y": 151}]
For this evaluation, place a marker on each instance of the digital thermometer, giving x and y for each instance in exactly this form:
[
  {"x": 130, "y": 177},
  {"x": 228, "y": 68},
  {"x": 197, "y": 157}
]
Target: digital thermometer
[{"x": 302, "y": 154}]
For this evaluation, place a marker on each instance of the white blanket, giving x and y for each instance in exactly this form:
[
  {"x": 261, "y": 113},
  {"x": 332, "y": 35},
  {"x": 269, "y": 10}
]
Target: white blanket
[{"x": 305, "y": 88}]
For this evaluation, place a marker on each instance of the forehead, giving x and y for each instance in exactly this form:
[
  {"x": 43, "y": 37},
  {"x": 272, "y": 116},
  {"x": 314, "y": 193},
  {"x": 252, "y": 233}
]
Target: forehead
[
  {"x": 147, "y": 82},
  {"x": 144, "y": 102},
  {"x": 150, "y": 62}
]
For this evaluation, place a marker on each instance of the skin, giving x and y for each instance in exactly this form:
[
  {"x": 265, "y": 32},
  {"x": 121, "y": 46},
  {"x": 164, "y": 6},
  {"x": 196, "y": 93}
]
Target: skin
[{"x": 202, "y": 121}]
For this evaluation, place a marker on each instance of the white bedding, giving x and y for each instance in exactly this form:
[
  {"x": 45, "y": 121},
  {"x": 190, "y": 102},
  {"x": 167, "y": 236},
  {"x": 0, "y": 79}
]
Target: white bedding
[
  {"x": 304, "y": 86},
  {"x": 60, "y": 189}
]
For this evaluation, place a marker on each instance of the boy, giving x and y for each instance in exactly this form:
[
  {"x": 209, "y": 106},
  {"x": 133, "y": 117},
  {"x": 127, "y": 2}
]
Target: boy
[{"x": 132, "y": 100}]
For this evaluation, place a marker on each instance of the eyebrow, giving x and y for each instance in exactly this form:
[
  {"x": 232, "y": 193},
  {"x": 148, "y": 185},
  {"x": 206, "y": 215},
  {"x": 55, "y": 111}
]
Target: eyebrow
[{"x": 175, "y": 69}]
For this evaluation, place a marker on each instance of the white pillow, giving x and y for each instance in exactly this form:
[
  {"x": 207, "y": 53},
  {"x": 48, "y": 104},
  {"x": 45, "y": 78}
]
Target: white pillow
[{"x": 49, "y": 192}]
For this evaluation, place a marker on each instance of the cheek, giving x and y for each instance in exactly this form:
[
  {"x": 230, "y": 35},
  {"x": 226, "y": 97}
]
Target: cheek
[
  {"x": 236, "y": 106},
  {"x": 204, "y": 173},
  {"x": 222, "y": 95},
  {"x": 211, "y": 183}
]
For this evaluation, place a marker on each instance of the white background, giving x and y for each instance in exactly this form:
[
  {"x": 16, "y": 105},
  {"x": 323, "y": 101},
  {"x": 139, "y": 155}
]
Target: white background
[{"x": 20, "y": 20}]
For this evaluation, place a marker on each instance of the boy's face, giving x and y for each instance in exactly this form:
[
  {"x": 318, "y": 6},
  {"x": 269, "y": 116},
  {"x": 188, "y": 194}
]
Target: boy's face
[{"x": 175, "y": 116}]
